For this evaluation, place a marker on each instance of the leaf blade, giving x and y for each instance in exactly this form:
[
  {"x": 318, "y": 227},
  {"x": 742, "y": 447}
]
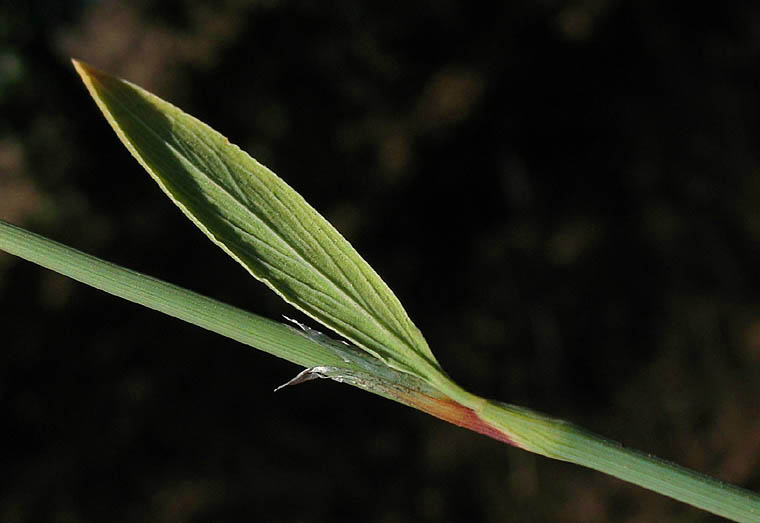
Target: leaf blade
[{"x": 262, "y": 223}]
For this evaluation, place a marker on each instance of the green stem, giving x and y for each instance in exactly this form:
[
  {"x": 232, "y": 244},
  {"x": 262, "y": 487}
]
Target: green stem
[
  {"x": 561, "y": 440},
  {"x": 526, "y": 429},
  {"x": 250, "y": 329}
]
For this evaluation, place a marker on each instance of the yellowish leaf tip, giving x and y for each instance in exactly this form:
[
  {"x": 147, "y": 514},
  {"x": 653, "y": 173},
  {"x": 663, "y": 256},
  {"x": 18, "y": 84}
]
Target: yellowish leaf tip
[
  {"x": 80, "y": 66},
  {"x": 86, "y": 71}
]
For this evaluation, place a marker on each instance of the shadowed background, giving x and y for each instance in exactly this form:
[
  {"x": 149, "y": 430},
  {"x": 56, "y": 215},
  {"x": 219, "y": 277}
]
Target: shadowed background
[{"x": 564, "y": 196}]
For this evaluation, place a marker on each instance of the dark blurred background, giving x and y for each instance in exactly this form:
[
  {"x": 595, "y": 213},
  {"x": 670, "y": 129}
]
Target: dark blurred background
[{"x": 564, "y": 195}]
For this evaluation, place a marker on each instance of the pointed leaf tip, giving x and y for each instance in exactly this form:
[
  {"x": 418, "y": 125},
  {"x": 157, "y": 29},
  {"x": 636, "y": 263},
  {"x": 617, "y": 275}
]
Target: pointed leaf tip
[{"x": 82, "y": 68}]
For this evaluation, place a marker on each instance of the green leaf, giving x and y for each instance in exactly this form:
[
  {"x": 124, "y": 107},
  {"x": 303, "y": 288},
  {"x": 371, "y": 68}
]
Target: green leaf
[{"x": 262, "y": 223}]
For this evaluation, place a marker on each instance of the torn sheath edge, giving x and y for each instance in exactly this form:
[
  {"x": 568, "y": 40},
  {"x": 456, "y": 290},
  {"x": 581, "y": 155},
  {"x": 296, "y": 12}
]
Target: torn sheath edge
[
  {"x": 363, "y": 370},
  {"x": 309, "y": 374}
]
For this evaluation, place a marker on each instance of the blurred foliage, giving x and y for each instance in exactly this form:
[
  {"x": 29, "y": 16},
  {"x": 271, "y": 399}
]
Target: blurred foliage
[{"x": 565, "y": 196}]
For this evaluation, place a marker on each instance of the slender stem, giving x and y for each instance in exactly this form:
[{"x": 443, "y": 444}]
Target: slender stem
[
  {"x": 561, "y": 440},
  {"x": 250, "y": 329},
  {"x": 516, "y": 425}
]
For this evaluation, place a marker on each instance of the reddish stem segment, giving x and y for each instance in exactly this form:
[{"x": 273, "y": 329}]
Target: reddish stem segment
[{"x": 453, "y": 412}]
